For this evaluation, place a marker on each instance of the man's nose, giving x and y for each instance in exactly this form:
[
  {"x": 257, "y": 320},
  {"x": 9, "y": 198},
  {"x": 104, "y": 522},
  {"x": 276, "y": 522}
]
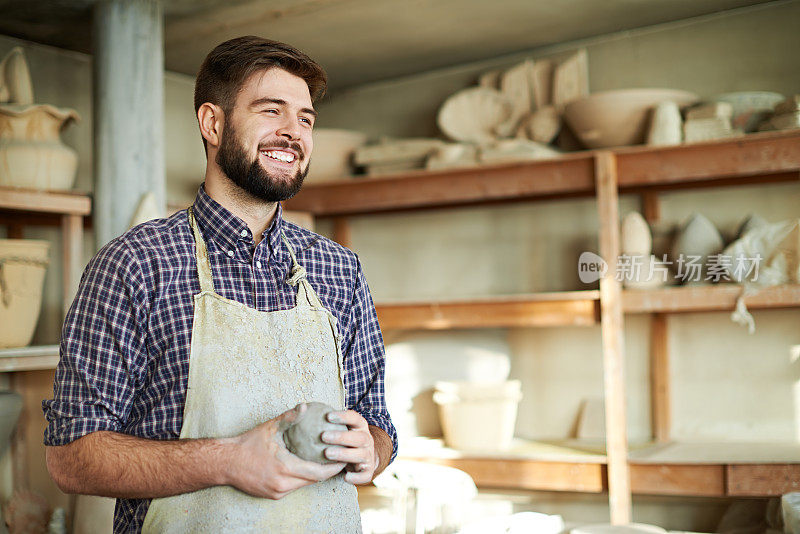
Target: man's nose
[{"x": 289, "y": 130}]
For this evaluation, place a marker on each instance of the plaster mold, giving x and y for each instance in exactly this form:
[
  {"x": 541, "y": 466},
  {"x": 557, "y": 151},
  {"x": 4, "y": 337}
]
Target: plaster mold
[
  {"x": 571, "y": 79},
  {"x": 453, "y": 155},
  {"x": 666, "y": 125},
  {"x": 698, "y": 130},
  {"x": 23, "y": 263},
  {"x": 396, "y": 155},
  {"x": 713, "y": 110},
  {"x": 541, "y": 125},
  {"x": 31, "y": 152},
  {"x": 510, "y": 150},
  {"x": 635, "y": 237},
  {"x": 304, "y": 437},
  {"x": 696, "y": 241},
  {"x": 473, "y": 115}
]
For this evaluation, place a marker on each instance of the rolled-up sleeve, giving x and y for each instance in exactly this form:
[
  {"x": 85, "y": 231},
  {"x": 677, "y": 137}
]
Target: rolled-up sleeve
[
  {"x": 102, "y": 350},
  {"x": 365, "y": 362}
]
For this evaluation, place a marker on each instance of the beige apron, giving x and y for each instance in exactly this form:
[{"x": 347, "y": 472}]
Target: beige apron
[{"x": 245, "y": 367}]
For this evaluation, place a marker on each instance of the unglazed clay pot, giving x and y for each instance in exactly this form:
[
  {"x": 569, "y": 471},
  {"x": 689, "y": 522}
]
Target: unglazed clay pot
[
  {"x": 618, "y": 118},
  {"x": 22, "y": 266},
  {"x": 31, "y": 152}
]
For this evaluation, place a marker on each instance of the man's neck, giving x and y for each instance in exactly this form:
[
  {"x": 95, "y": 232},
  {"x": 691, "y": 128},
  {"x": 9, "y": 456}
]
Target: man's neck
[{"x": 257, "y": 214}]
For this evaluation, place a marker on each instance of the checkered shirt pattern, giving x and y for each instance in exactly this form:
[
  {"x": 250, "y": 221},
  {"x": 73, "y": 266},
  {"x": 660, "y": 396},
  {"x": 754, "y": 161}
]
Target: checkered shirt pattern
[{"x": 125, "y": 343}]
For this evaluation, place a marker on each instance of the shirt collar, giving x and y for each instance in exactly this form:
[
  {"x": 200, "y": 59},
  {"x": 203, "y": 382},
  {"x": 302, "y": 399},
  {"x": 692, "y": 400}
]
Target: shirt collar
[{"x": 226, "y": 229}]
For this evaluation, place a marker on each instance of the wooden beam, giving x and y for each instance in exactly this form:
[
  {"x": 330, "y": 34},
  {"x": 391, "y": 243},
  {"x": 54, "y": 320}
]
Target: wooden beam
[
  {"x": 572, "y": 309},
  {"x": 529, "y": 474},
  {"x": 651, "y": 206},
  {"x": 570, "y": 174},
  {"x": 44, "y": 201},
  {"x": 72, "y": 257},
  {"x": 762, "y": 480},
  {"x": 675, "y": 479},
  {"x": 341, "y": 231},
  {"x": 613, "y": 343},
  {"x": 660, "y": 398}
]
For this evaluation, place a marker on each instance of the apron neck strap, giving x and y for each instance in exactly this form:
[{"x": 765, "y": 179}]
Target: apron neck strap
[
  {"x": 203, "y": 265},
  {"x": 298, "y": 277}
]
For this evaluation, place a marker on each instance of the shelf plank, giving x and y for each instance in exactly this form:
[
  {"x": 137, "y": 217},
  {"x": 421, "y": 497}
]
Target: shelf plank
[
  {"x": 689, "y": 480},
  {"x": 758, "y": 480},
  {"x": 29, "y": 200},
  {"x": 707, "y": 298},
  {"x": 29, "y": 358},
  {"x": 754, "y": 158},
  {"x": 754, "y": 155},
  {"x": 569, "y": 175},
  {"x": 576, "y": 308}
]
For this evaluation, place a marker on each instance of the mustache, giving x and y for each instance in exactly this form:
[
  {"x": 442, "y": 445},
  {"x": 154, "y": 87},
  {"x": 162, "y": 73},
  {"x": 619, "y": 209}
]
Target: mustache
[{"x": 283, "y": 143}]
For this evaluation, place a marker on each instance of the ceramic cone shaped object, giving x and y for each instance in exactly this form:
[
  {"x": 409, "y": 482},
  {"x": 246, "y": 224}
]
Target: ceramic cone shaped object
[
  {"x": 635, "y": 235},
  {"x": 22, "y": 267},
  {"x": 696, "y": 241}
]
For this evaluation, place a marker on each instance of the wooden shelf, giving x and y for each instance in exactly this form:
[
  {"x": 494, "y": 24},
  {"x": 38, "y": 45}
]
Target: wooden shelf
[
  {"x": 32, "y": 201},
  {"x": 29, "y": 358},
  {"x": 755, "y": 158},
  {"x": 573, "y": 308},
  {"x": 691, "y": 469},
  {"x": 708, "y": 298}
]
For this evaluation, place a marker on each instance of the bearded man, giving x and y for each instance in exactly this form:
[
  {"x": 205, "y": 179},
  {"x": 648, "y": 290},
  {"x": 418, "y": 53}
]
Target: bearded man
[{"x": 194, "y": 341}]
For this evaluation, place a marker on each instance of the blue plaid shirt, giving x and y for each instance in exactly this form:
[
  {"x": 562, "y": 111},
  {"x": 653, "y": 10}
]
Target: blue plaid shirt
[{"x": 125, "y": 344}]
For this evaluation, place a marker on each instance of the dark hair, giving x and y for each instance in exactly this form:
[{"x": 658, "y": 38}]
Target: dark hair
[{"x": 230, "y": 64}]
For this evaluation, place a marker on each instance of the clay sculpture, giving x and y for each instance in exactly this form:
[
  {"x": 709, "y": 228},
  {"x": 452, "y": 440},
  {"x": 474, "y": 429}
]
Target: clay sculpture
[{"x": 304, "y": 437}]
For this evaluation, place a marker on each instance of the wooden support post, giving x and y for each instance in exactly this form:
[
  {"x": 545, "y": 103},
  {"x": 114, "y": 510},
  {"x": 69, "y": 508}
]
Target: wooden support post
[
  {"x": 72, "y": 255},
  {"x": 651, "y": 207},
  {"x": 611, "y": 319},
  {"x": 341, "y": 231},
  {"x": 660, "y": 406}
]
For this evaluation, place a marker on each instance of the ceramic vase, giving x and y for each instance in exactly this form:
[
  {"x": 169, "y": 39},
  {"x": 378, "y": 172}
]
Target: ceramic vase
[{"x": 22, "y": 267}]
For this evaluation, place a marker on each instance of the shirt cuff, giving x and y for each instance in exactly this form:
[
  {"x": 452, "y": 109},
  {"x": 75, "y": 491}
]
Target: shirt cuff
[{"x": 384, "y": 423}]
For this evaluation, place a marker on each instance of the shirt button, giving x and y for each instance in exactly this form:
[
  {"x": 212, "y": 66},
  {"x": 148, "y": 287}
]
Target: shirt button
[
  {"x": 244, "y": 233},
  {"x": 258, "y": 264},
  {"x": 230, "y": 253}
]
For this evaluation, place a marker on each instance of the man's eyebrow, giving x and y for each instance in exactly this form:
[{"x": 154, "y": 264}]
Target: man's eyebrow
[{"x": 281, "y": 102}]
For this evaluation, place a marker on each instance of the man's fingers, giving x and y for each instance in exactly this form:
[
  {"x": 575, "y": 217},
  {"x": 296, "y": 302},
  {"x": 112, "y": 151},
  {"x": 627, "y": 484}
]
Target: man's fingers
[
  {"x": 358, "y": 477},
  {"x": 309, "y": 471},
  {"x": 349, "y": 438},
  {"x": 347, "y": 454},
  {"x": 350, "y": 418}
]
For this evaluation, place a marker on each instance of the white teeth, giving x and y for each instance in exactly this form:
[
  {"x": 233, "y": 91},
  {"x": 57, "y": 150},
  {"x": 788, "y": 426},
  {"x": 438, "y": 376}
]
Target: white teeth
[{"x": 279, "y": 155}]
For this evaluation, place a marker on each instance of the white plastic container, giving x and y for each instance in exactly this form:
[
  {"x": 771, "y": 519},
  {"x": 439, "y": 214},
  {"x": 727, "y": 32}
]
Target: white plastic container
[{"x": 478, "y": 416}]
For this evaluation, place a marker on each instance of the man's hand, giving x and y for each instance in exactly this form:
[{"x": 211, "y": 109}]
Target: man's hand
[
  {"x": 354, "y": 446},
  {"x": 264, "y": 467}
]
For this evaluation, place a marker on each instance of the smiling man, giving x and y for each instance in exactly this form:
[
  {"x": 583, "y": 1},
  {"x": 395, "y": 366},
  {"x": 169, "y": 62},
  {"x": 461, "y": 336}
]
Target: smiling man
[{"x": 193, "y": 338}]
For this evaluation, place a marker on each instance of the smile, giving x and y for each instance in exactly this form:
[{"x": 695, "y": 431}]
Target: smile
[{"x": 279, "y": 155}]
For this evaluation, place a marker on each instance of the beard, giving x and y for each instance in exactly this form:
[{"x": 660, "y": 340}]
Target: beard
[{"x": 250, "y": 176}]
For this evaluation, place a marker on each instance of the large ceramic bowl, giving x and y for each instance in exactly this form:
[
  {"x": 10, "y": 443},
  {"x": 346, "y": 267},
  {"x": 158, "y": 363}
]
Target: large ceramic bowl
[
  {"x": 618, "y": 118},
  {"x": 332, "y": 155}
]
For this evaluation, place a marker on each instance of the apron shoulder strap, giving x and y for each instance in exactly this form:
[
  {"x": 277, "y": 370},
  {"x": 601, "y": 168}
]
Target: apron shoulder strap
[{"x": 203, "y": 265}]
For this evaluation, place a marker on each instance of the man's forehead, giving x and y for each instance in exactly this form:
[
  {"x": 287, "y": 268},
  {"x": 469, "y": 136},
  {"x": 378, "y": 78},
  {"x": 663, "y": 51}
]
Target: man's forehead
[{"x": 277, "y": 84}]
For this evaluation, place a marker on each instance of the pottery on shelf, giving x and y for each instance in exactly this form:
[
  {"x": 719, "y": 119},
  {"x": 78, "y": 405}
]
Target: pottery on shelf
[
  {"x": 511, "y": 150},
  {"x": 541, "y": 125},
  {"x": 333, "y": 154},
  {"x": 696, "y": 241},
  {"x": 750, "y": 108},
  {"x": 472, "y": 115},
  {"x": 453, "y": 155},
  {"x": 23, "y": 263},
  {"x": 31, "y": 153},
  {"x": 618, "y": 118},
  {"x": 635, "y": 237},
  {"x": 666, "y": 125}
]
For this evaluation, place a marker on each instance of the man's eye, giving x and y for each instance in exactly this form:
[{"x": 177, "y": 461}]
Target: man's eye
[
  {"x": 274, "y": 111},
  {"x": 306, "y": 120}
]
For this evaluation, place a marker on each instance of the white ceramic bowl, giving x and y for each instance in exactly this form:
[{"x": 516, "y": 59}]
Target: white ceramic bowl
[{"x": 618, "y": 118}]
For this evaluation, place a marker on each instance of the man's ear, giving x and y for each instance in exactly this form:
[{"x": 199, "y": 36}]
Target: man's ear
[{"x": 210, "y": 118}]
